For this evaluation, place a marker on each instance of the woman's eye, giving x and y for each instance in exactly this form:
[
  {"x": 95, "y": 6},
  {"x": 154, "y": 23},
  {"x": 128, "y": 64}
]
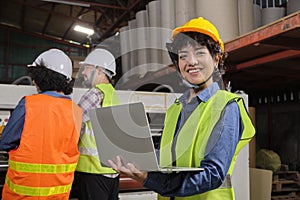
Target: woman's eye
[
  {"x": 182, "y": 57},
  {"x": 200, "y": 53}
]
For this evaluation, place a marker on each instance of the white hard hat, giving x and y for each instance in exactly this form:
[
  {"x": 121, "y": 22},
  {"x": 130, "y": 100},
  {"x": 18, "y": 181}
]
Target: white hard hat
[
  {"x": 55, "y": 60},
  {"x": 101, "y": 58}
]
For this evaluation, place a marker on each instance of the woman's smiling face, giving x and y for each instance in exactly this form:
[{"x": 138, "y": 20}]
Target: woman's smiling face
[{"x": 196, "y": 64}]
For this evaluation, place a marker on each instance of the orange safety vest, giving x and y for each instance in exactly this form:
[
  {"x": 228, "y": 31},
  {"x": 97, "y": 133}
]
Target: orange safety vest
[{"x": 43, "y": 165}]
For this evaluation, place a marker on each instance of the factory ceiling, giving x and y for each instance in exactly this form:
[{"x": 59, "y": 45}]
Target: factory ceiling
[
  {"x": 56, "y": 19},
  {"x": 265, "y": 60}
]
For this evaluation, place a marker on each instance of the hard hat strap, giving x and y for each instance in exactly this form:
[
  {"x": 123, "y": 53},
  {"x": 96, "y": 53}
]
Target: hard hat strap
[{"x": 91, "y": 79}]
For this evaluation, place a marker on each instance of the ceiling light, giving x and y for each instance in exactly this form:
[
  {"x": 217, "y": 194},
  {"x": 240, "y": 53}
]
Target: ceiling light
[
  {"x": 85, "y": 30},
  {"x": 73, "y": 42},
  {"x": 69, "y": 3}
]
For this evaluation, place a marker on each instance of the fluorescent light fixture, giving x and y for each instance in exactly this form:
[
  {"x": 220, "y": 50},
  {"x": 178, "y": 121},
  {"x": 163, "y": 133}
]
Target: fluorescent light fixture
[
  {"x": 73, "y": 42},
  {"x": 85, "y": 30},
  {"x": 69, "y": 3}
]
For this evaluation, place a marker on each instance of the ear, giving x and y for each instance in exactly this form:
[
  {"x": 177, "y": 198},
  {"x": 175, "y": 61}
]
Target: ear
[
  {"x": 99, "y": 70},
  {"x": 216, "y": 60}
]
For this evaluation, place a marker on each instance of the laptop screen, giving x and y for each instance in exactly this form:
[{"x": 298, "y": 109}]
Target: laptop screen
[{"x": 124, "y": 130}]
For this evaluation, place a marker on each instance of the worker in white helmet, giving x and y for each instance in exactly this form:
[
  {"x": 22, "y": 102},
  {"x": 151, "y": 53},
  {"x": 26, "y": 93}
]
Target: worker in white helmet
[
  {"x": 206, "y": 127},
  {"x": 95, "y": 181},
  {"x": 42, "y": 134}
]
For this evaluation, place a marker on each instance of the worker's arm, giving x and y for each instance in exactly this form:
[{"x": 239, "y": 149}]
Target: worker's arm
[
  {"x": 89, "y": 100},
  {"x": 13, "y": 130},
  {"x": 215, "y": 163}
]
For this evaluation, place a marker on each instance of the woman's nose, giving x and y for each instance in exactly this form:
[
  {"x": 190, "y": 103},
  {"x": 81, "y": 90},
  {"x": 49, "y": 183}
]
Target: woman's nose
[{"x": 193, "y": 59}]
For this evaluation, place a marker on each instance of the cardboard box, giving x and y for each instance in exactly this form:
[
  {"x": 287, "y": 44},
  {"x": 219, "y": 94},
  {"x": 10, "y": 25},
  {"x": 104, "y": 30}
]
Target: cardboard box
[{"x": 260, "y": 184}]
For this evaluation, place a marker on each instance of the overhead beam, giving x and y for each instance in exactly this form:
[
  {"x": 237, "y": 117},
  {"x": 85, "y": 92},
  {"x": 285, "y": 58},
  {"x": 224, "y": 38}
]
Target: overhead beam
[
  {"x": 271, "y": 72},
  {"x": 119, "y": 20},
  {"x": 71, "y": 25},
  {"x": 52, "y": 12},
  {"x": 283, "y": 25},
  {"x": 48, "y": 19},
  {"x": 42, "y": 36},
  {"x": 89, "y": 4},
  {"x": 23, "y": 14},
  {"x": 283, "y": 43},
  {"x": 269, "y": 58}
]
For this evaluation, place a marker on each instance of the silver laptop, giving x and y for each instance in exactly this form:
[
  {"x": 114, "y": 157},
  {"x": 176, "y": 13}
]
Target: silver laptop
[{"x": 124, "y": 130}]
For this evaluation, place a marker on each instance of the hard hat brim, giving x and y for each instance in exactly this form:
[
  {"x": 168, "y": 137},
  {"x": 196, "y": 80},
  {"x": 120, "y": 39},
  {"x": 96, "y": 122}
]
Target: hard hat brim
[
  {"x": 31, "y": 65},
  {"x": 199, "y": 30}
]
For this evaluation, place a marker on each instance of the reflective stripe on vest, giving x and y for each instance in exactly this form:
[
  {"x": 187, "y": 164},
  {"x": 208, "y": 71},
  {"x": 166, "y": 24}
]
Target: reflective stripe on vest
[
  {"x": 189, "y": 153},
  {"x": 89, "y": 161},
  {"x": 37, "y": 191},
  {"x": 42, "y": 168}
]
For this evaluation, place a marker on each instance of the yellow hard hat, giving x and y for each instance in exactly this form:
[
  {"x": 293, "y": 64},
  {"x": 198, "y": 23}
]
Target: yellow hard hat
[{"x": 200, "y": 25}]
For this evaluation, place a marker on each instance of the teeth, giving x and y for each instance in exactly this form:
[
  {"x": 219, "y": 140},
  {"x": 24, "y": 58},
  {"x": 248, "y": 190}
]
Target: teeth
[{"x": 194, "y": 70}]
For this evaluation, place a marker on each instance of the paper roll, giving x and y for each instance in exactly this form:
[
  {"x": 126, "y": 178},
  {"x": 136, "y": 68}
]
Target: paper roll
[
  {"x": 269, "y": 15},
  {"x": 154, "y": 32},
  {"x": 256, "y": 16},
  {"x": 292, "y": 6},
  {"x": 184, "y": 11},
  {"x": 223, "y": 14},
  {"x": 132, "y": 43},
  {"x": 245, "y": 16},
  {"x": 167, "y": 9},
  {"x": 125, "y": 46},
  {"x": 142, "y": 36}
]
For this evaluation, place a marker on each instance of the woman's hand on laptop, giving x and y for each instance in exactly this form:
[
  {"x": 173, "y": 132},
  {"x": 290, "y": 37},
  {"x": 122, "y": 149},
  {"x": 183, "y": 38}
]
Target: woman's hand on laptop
[{"x": 129, "y": 170}]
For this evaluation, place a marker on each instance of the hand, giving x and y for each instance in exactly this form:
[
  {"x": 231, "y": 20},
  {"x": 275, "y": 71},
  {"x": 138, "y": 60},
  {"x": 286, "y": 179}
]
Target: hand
[{"x": 129, "y": 170}]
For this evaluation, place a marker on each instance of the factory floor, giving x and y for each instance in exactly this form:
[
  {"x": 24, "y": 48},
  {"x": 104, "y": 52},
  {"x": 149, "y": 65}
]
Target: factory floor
[{"x": 145, "y": 195}]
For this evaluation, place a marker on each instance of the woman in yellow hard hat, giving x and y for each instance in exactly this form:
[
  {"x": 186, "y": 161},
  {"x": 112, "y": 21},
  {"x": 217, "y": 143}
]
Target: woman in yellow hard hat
[{"x": 206, "y": 127}]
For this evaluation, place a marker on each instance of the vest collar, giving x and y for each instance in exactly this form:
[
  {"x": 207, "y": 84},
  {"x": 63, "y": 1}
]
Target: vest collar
[{"x": 203, "y": 96}]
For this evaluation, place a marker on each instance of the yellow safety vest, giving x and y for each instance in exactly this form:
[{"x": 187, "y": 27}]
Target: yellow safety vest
[
  {"x": 89, "y": 161},
  {"x": 189, "y": 153}
]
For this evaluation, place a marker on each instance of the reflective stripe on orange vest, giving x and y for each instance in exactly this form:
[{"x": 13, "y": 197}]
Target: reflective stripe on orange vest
[
  {"x": 37, "y": 191},
  {"x": 42, "y": 168}
]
